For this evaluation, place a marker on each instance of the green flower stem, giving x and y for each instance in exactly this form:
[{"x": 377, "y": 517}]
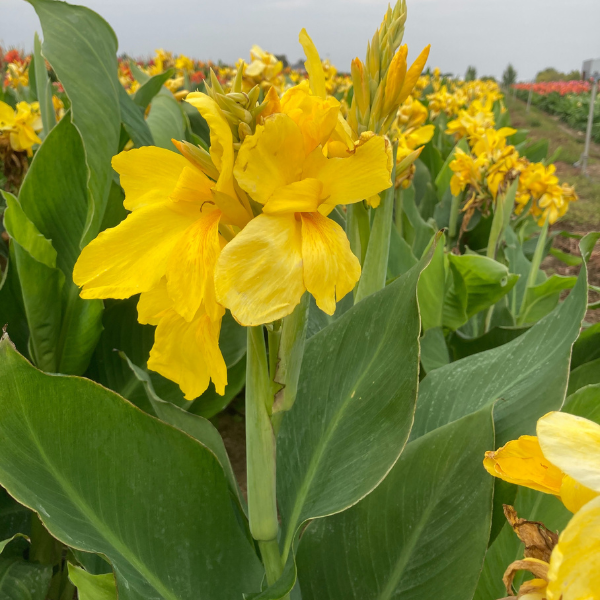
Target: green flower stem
[
  {"x": 289, "y": 360},
  {"x": 398, "y": 210},
  {"x": 260, "y": 442},
  {"x": 376, "y": 260},
  {"x": 271, "y": 560},
  {"x": 453, "y": 225}
]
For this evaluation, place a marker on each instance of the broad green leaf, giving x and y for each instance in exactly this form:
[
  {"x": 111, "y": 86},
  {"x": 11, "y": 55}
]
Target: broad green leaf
[
  {"x": 282, "y": 586},
  {"x": 199, "y": 428},
  {"x": 354, "y": 406},
  {"x": 527, "y": 375},
  {"x": 585, "y": 402},
  {"x": 53, "y": 196},
  {"x": 442, "y": 179},
  {"x": 542, "y": 298},
  {"x": 434, "y": 351},
  {"x": 93, "y": 587},
  {"x": 536, "y": 151},
  {"x": 431, "y": 289},
  {"x": 14, "y": 517},
  {"x": 132, "y": 117},
  {"x": 422, "y": 232},
  {"x": 82, "y": 48},
  {"x": 22, "y": 580},
  {"x": 146, "y": 92},
  {"x": 586, "y": 374},
  {"x": 432, "y": 158},
  {"x": 401, "y": 258},
  {"x": 462, "y": 346},
  {"x": 568, "y": 259},
  {"x": 421, "y": 534},
  {"x": 530, "y": 505},
  {"x": 44, "y": 90},
  {"x": 166, "y": 121},
  {"x": 12, "y": 310},
  {"x": 587, "y": 346},
  {"x": 121, "y": 483}
]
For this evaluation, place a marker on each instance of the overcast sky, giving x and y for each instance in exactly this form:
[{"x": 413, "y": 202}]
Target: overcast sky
[{"x": 532, "y": 34}]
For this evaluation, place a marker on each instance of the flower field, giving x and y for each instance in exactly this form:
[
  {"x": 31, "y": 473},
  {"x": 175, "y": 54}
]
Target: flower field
[
  {"x": 570, "y": 100},
  {"x": 343, "y": 262}
]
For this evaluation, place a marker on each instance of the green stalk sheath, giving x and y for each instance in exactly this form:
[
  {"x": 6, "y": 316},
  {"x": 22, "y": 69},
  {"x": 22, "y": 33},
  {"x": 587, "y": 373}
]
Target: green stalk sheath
[
  {"x": 271, "y": 560},
  {"x": 358, "y": 229},
  {"x": 376, "y": 260},
  {"x": 537, "y": 256},
  {"x": 260, "y": 442},
  {"x": 398, "y": 210},
  {"x": 453, "y": 225},
  {"x": 291, "y": 351}
]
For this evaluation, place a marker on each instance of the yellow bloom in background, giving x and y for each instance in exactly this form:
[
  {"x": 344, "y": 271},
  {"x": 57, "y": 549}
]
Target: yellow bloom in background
[
  {"x": 467, "y": 170},
  {"x": 183, "y": 211},
  {"x": 183, "y": 63},
  {"x": 264, "y": 70},
  {"x": 21, "y": 125},
  {"x": 473, "y": 122},
  {"x": 17, "y": 74},
  {"x": 563, "y": 460}
]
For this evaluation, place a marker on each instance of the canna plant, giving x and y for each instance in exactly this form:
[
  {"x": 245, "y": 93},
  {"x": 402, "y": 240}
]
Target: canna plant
[{"x": 323, "y": 248}]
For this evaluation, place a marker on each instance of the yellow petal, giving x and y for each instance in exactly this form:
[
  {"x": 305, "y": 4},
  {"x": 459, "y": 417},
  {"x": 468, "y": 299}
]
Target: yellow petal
[
  {"x": 313, "y": 65},
  {"x": 421, "y": 136},
  {"x": 347, "y": 180},
  {"x": 259, "y": 273},
  {"x": 7, "y": 115},
  {"x": 575, "y": 562},
  {"x": 192, "y": 186},
  {"x": 188, "y": 353},
  {"x": 523, "y": 463},
  {"x": 330, "y": 268},
  {"x": 273, "y": 105},
  {"x": 574, "y": 495},
  {"x": 191, "y": 268},
  {"x": 413, "y": 74},
  {"x": 271, "y": 158},
  {"x": 317, "y": 118},
  {"x": 148, "y": 175},
  {"x": 221, "y": 139},
  {"x": 300, "y": 196},
  {"x": 573, "y": 445},
  {"x": 153, "y": 304},
  {"x": 132, "y": 257},
  {"x": 394, "y": 80}
]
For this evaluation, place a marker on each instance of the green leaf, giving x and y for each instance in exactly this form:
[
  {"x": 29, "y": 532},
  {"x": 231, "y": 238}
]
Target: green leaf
[
  {"x": 432, "y": 288},
  {"x": 586, "y": 374},
  {"x": 423, "y": 231},
  {"x": 462, "y": 346},
  {"x": 432, "y": 158},
  {"x": 434, "y": 351},
  {"x": 121, "y": 483},
  {"x": 146, "y": 92},
  {"x": 568, "y": 259},
  {"x": 478, "y": 282},
  {"x": 58, "y": 176},
  {"x": 199, "y": 428},
  {"x": 354, "y": 406},
  {"x": 93, "y": 587},
  {"x": 14, "y": 518},
  {"x": 541, "y": 299},
  {"x": 166, "y": 121},
  {"x": 442, "y": 180},
  {"x": 528, "y": 375},
  {"x": 536, "y": 151},
  {"x": 587, "y": 346},
  {"x": 132, "y": 117},
  {"x": 82, "y": 48},
  {"x": 22, "y": 580},
  {"x": 43, "y": 87},
  {"x": 585, "y": 402},
  {"x": 421, "y": 534},
  {"x": 12, "y": 309}
]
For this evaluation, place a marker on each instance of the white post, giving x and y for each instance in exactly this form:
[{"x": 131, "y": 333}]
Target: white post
[
  {"x": 588, "y": 134},
  {"x": 529, "y": 97}
]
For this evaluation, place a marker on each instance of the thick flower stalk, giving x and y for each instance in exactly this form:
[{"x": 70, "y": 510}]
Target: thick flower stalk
[{"x": 563, "y": 460}]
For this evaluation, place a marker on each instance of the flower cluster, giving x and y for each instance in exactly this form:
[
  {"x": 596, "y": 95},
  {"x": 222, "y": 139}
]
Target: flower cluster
[{"x": 19, "y": 127}]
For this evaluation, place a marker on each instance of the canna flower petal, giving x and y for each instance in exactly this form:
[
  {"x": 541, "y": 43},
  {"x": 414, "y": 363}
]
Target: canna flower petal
[
  {"x": 221, "y": 140},
  {"x": 317, "y": 118},
  {"x": 314, "y": 66},
  {"x": 300, "y": 196},
  {"x": 271, "y": 158},
  {"x": 192, "y": 185},
  {"x": 523, "y": 463},
  {"x": 7, "y": 116},
  {"x": 574, "y": 572},
  {"x": 191, "y": 267},
  {"x": 574, "y": 495},
  {"x": 154, "y": 304},
  {"x": 573, "y": 445},
  {"x": 132, "y": 257},
  {"x": 259, "y": 273},
  {"x": 148, "y": 175},
  {"x": 330, "y": 268},
  {"x": 347, "y": 180},
  {"x": 188, "y": 353}
]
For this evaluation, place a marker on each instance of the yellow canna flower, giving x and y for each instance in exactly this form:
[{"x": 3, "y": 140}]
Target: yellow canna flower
[
  {"x": 467, "y": 171},
  {"x": 184, "y": 63},
  {"x": 183, "y": 211},
  {"x": 293, "y": 247},
  {"x": 264, "y": 70},
  {"x": 20, "y": 125}
]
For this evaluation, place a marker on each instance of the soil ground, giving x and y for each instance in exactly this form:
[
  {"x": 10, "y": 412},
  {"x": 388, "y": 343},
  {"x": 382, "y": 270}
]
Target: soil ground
[{"x": 583, "y": 215}]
